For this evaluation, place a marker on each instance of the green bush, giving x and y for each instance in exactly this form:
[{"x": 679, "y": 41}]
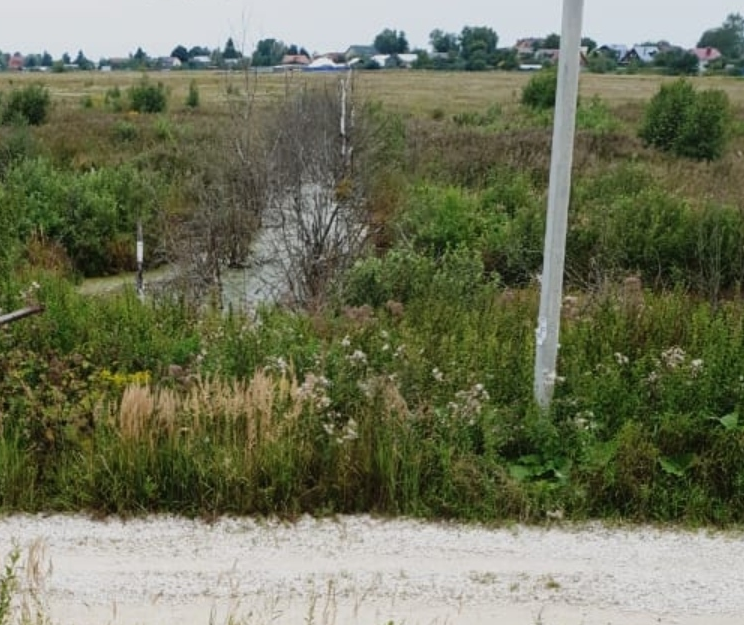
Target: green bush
[
  {"x": 87, "y": 213},
  {"x": 29, "y": 105},
  {"x": 148, "y": 98},
  {"x": 704, "y": 134},
  {"x": 687, "y": 123},
  {"x": 192, "y": 100},
  {"x": 112, "y": 99},
  {"x": 540, "y": 91}
]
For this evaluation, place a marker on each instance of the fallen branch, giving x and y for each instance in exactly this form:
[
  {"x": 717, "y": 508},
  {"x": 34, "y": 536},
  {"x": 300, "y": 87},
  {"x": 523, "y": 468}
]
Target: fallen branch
[{"x": 20, "y": 314}]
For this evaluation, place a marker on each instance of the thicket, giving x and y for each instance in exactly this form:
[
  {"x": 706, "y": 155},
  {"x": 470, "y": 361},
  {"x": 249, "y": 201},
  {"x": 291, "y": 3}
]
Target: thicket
[{"x": 90, "y": 216}]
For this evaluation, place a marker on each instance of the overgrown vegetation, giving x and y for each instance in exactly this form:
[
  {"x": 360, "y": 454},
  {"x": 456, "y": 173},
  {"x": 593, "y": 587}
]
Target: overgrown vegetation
[{"x": 401, "y": 382}]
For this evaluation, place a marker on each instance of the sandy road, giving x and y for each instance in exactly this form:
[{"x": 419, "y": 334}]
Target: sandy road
[{"x": 366, "y": 570}]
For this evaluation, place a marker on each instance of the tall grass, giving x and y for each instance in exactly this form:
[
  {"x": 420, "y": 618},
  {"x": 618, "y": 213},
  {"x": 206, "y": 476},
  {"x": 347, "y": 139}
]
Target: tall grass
[{"x": 421, "y": 409}]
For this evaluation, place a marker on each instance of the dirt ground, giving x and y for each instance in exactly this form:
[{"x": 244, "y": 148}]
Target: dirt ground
[{"x": 362, "y": 570}]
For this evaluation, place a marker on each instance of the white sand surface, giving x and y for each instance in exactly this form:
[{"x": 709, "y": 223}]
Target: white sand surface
[{"x": 363, "y": 570}]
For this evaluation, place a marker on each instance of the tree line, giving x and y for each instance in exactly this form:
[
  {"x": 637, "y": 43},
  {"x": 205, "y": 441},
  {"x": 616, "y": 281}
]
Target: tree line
[{"x": 473, "y": 48}]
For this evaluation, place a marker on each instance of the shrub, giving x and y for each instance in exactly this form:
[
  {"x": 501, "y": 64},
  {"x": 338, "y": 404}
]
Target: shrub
[
  {"x": 148, "y": 98},
  {"x": 29, "y": 105},
  {"x": 124, "y": 131},
  {"x": 112, "y": 99},
  {"x": 686, "y": 123},
  {"x": 192, "y": 100},
  {"x": 540, "y": 91},
  {"x": 704, "y": 133}
]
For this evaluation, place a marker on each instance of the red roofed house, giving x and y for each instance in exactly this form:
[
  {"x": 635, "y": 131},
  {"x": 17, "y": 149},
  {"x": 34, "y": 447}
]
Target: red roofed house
[
  {"x": 706, "y": 56},
  {"x": 16, "y": 62},
  {"x": 295, "y": 59}
]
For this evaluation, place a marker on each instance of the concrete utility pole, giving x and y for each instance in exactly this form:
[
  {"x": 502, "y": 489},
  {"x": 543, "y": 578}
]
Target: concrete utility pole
[{"x": 551, "y": 293}]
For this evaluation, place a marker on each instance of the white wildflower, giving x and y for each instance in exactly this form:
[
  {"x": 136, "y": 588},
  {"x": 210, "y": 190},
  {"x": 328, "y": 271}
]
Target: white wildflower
[
  {"x": 357, "y": 357},
  {"x": 673, "y": 357},
  {"x": 621, "y": 359},
  {"x": 696, "y": 366}
]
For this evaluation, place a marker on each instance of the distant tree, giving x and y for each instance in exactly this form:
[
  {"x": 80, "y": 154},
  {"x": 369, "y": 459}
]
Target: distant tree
[
  {"x": 46, "y": 59},
  {"x": 552, "y": 41},
  {"x": 268, "y": 52},
  {"x": 727, "y": 38},
  {"x": 294, "y": 50},
  {"x": 506, "y": 59},
  {"x": 677, "y": 62},
  {"x": 66, "y": 59},
  {"x": 230, "y": 51},
  {"x": 391, "y": 42},
  {"x": 603, "y": 63},
  {"x": 140, "y": 58},
  {"x": 478, "y": 46},
  {"x": 443, "y": 42},
  {"x": 31, "y": 61},
  {"x": 180, "y": 53},
  {"x": 82, "y": 62},
  {"x": 199, "y": 51},
  {"x": 589, "y": 44}
]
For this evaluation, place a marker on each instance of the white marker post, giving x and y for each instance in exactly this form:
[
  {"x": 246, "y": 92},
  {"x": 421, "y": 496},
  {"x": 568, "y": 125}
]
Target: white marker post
[
  {"x": 140, "y": 261},
  {"x": 551, "y": 293}
]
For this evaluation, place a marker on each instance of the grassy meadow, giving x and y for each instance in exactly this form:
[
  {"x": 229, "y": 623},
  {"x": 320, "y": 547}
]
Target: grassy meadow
[{"x": 404, "y": 386}]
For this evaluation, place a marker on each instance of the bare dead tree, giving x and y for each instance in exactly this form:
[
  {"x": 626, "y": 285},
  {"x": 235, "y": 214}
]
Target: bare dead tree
[
  {"x": 229, "y": 190},
  {"x": 317, "y": 225}
]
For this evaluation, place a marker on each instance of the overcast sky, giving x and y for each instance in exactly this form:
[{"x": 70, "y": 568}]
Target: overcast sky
[{"x": 103, "y": 28}]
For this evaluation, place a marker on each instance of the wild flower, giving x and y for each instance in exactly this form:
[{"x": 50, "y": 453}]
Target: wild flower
[
  {"x": 348, "y": 432},
  {"x": 584, "y": 420},
  {"x": 696, "y": 367},
  {"x": 314, "y": 390},
  {"x": 357, "y": 357},
  {"x": 121, "y": 379},
  {"x": 28, "y": 295},
  {"x": 468, "y": 403},
  {"x": 277, "y": 364},
  {"x": 346, "y": 342},
  {"x": 621, "y": 359},
  {"x": 437, "y": 374},
  {"x": 673, "y": 357}
]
